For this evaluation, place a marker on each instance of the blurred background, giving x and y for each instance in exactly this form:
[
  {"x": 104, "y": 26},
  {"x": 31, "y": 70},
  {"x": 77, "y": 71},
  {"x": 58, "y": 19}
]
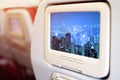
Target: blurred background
[{"x": 15, "y": 37}]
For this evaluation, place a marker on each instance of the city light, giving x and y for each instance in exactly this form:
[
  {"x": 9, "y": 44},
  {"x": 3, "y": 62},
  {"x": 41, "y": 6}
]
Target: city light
[{"x": 76, "y": 33}]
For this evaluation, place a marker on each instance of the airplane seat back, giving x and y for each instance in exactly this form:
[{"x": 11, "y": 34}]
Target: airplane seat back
[
  {"x": 19, "y": 30},
  {"x": 4, "y": 44},
  {"x": 43, "y": 69}
]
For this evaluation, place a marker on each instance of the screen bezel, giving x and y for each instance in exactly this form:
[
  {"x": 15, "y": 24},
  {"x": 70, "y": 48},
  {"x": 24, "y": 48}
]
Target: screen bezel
[{"x": 98, "y": 67}]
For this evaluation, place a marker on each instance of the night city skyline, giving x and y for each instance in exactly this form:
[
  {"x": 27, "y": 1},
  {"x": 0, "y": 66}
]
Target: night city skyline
[{"x": 83, "y": 29}]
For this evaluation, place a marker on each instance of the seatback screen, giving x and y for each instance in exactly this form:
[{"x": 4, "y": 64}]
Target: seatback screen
[
  {"x": 15, "y": 25},
  {"x": 75, "y": 33}
]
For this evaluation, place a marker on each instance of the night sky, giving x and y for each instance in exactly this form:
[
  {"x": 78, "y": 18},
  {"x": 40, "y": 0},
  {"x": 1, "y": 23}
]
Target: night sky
[{"x": 75, "y": 18}]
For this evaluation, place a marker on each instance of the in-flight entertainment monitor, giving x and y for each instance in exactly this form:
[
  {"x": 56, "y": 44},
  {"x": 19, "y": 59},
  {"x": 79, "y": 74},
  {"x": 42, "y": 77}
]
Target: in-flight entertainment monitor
[
  {"x": 16, "y": 25},
  {"x": 77, "y": 37}
]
